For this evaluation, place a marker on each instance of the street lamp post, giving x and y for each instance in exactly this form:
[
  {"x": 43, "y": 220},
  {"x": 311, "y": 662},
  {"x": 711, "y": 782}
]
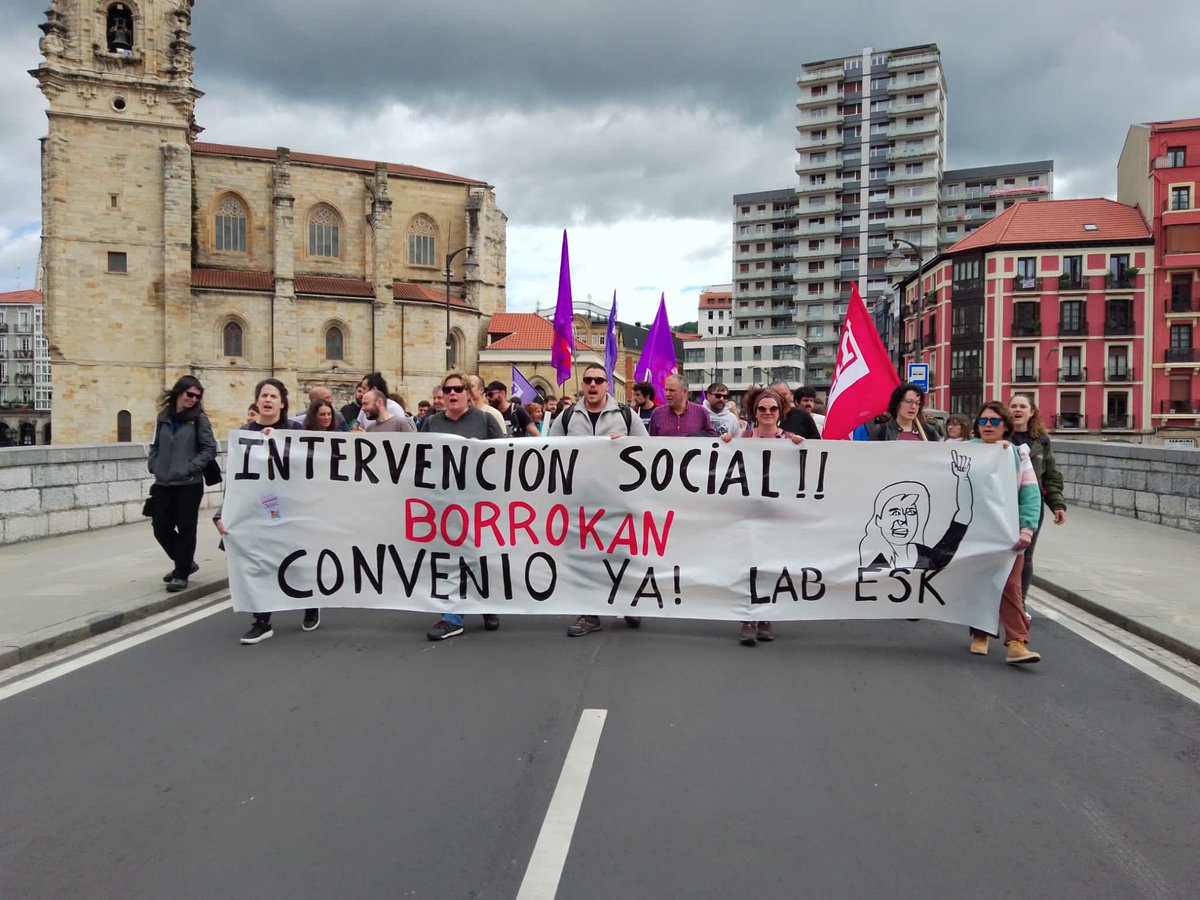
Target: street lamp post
[
  {"x": 468, "y": 265},
  {"x": 895, "y": 256}
]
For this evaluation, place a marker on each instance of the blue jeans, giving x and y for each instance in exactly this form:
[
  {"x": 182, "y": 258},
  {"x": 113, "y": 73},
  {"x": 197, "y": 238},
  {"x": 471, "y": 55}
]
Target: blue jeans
[{"x": 452, "y": 618}]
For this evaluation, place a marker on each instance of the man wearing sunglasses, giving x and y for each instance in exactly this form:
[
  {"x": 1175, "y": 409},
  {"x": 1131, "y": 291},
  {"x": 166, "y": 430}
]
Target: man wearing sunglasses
[
  {"x": 462, "y": 418},
  {"x": 599, "y": 415},
  {"x": 720, "y": 416}
]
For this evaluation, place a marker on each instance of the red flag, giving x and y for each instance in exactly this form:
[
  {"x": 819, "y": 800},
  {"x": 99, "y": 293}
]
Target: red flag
[{"x": 863, "y": 376}]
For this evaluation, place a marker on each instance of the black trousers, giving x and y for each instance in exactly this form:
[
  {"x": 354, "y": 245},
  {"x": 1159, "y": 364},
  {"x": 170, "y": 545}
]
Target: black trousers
[
  {"x": 1027, "y": 572},
  {"x": 176, "y": 509}
]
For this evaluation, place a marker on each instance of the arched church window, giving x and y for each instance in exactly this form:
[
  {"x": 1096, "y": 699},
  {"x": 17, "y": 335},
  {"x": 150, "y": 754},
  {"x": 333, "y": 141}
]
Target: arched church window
[
  {"x": 232, "y": 334},
  {"x": 119, "y": 28},
  {"x": 230, "y": 225},
  {"x": 422, "y": 242},
  {"x": 124, "y": 427},
  {"x": 335, "y": 343},
  {"x": 324, "y": 232}
]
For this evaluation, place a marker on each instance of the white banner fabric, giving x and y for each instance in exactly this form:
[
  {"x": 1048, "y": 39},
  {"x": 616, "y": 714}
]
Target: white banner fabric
[{"x": 668, "y": 527}]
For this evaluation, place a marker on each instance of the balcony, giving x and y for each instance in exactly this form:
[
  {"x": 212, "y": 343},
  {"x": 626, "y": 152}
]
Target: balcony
[
  {"x": 973, "y": 373},
  {"x": 1176, "y": 304},
  {"x": 1119, "y": 374},
  {"x": 923, "y": 175},
  {"x": 22, "y": 354},
  {"x": 1070, "y": 283},
  {"x": 1024, "y": 376},
  {"x": 1120, "y": 281},
  {"x": 3, "y": 327},
  {"x": 928, "y": 149},
  {"x": 1117, "y": 422},
  {"x": 1184, "y": 407},
  {"x": 1024, "y": 285},
  {"x": 1118, "y": 325},
  {"x": 831, "y": 184},
  {"x": 1073, "y": 374},
  {"x": 899, "y": 63},
  {"x": 1181, "y": 355},
  {"x": 930, "y": 338},
  {"x": 1027, "y": 329},
  {"x": 966, "y": 332},
  {"x": 1070, "y": 420},
  {"x": 1073, "y": 329},
  {"x": 23, "y": 378},
  {"x": 816, "y": 76},
  {"x": 827, "y": 228}
]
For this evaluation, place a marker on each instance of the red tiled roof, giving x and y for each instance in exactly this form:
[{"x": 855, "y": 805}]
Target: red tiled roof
[
  {"x": 333, "y": 286},
  {"x": 405, "y": 290},
  {"x": 523, "y": 331},
  {"x": 716, "y": 300},
  {"x": 21, "y": 297},
  {"x": 233, "y": 280},
  {"x": 1058, "y": 222},
  {"x": 686, "y": 336},
  {"x": 204, "y": 148}
]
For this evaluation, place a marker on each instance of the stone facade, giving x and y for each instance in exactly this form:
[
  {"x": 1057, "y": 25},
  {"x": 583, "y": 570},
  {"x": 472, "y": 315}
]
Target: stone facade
[
  {"x": 141, "y": 281},
  {"x": 48, "y": 491},
  {"x": 1157, "y": 484}
]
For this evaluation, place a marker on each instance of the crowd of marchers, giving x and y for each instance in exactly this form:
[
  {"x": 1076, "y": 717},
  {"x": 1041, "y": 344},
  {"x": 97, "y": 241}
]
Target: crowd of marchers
[{"x": 462, "y": 404}]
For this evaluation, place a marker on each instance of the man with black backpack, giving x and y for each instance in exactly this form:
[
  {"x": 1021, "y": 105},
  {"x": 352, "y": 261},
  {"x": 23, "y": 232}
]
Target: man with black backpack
[{"x": 599, "y": 414}]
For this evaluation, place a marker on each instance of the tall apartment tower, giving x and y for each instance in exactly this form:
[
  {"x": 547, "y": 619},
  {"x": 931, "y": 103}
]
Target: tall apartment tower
[{"x": 871, "y": 147}]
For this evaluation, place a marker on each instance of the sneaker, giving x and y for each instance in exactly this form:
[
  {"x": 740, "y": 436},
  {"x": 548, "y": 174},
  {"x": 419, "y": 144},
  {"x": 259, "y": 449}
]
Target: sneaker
[
  {"x": 764, "y": 632},
  {"x": 192, "y": 571},
  {"x": 258, "y": 633},
  {"x": 1019, "y": 652},
  {"x": 312, "y": 620},
  {"x": 979, "y": 644},
  {"x": 176, "y": 584},
  {"x": 749, "y": 634},
  {"x": 633, "y": 621},
  {"x": 491, "y": 621},
  {"x": 584, "y": 625},
  {"x": 443, "y": 630}
]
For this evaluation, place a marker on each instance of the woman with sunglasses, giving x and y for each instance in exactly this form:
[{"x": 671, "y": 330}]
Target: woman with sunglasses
[
  {"x": 994, "y": 425},
  {"x": 905, "y": 424},
  {"x": 765, "y": 407},
  {"x": 1028, "y": 430},
  {"x": 183, "y": 446}
]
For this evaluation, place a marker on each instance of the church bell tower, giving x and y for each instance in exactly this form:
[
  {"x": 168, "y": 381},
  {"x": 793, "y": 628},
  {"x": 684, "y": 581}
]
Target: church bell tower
[{"x": 116, "y": 209}]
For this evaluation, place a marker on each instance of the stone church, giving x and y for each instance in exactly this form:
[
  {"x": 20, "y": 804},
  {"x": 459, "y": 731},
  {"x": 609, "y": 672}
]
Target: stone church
[{"x": 163, "y": 255}]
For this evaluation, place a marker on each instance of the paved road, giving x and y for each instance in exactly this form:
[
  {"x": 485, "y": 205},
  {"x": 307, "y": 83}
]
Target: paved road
[{"x": 844, "y": 760}]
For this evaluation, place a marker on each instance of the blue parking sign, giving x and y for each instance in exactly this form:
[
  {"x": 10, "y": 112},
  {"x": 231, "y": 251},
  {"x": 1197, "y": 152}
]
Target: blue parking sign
[{"x": 918, "y": 374}]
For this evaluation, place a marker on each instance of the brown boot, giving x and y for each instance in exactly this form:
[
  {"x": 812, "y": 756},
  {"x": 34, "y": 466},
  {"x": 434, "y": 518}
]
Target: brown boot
[
  {"x": 1019, "y": 652},
  {"x": 749, "y": 634},
  {"x": 979, "y": 644}
]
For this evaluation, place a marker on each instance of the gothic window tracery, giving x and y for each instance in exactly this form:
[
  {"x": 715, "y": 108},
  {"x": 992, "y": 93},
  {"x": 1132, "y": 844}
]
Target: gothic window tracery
[
  {"x": 229, "y": 226},
  {"x": 422, "y": 242},
  {"x": 324, "y": 232}
]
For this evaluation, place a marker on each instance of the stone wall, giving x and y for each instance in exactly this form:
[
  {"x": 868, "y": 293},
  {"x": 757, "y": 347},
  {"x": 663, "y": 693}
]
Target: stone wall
[
  {"x": 1156, "y": 484},
  {"x": 61, "y": 490}
]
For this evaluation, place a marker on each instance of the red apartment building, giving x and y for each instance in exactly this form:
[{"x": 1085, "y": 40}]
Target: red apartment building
[
  {"x": 1159, "y": 172},
  {"x": 1049, "y": 299}
]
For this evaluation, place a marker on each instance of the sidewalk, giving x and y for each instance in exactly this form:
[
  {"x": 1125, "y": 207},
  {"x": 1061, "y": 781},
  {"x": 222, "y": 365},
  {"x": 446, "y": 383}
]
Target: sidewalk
[{"x": 60, "y": 590}]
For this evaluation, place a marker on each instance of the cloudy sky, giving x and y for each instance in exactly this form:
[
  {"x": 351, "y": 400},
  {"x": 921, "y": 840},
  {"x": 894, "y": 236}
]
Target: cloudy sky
[{"x": 630, "y": 124}]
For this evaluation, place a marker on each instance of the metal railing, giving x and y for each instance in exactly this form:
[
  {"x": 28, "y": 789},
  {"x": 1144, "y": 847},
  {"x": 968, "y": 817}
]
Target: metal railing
[
  {"x": 1026, "y": 329},
  {"x": 1070, "y": 420},
  {"x": 1073, "y": 329},
  {"x": 1024, "y": 377},
  {"x": 1073, "y": 374},
  {"x": 1117, "y": 422},
  {"x": 1181, "y": 355},
  {"x": 1174, "y": 305},
  {"x": 1122, "y": 374},
  {"x": 1118, "y": 326}
]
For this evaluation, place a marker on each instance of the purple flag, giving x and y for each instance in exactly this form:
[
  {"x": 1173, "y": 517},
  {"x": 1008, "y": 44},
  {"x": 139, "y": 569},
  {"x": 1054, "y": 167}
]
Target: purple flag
[
  {"x": 610, "y": 347},
  {"x": 658, "y": 356},
  {"x": 563, "y": 346},
  {"x": 522, "y": 388}
]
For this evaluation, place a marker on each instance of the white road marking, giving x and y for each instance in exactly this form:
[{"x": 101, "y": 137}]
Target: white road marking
[
  {"x": 57, "y": 669},
  {"x": 554, "y": 840},
  {"x": 1166, "y": 668}
]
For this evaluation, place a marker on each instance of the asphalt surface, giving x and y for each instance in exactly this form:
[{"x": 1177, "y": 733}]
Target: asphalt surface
[{"x": 844, "y": 759}]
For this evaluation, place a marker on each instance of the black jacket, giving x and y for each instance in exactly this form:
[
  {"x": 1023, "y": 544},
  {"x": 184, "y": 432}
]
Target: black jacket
[{"x": 178, "y": 455}]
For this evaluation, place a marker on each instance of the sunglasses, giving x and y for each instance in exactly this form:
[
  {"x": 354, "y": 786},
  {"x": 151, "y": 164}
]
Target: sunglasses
[
  {"x": 453, "y": 388},
  {"x": 990, "y": 420},
  {"x": 593, "y": 379},
  {"x": 716, "y": 396},
  {"x": 192, "y": 394},
  {"x": 773, "y": 409}
]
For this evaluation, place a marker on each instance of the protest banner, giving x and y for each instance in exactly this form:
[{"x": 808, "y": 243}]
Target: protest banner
[{"x": 682, "y": 527}]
